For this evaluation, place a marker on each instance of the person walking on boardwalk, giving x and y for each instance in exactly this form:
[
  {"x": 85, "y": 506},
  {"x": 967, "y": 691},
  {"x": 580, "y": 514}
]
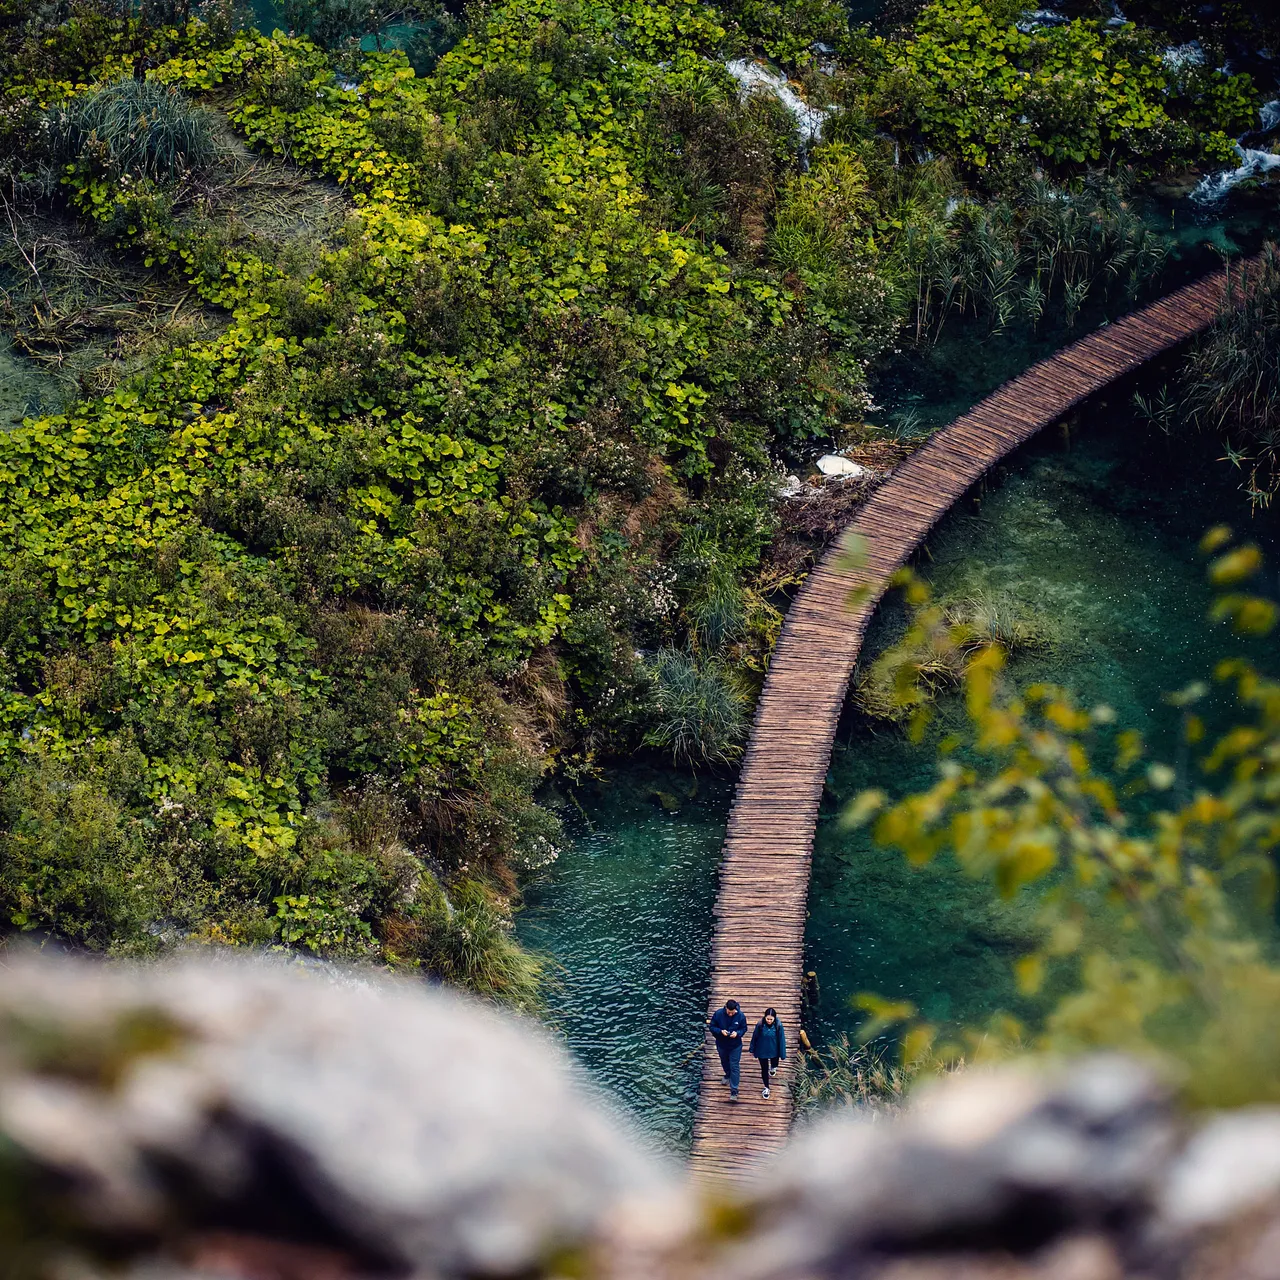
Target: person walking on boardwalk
[
  {"x": 728, "y": 1026},
  {"x": 769, "y": 1044}
]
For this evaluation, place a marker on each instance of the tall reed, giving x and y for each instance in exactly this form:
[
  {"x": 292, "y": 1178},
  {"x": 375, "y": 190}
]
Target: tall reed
[
  {"x": 1231, "y": 383},
  {"x": 1016, "y": 257}
]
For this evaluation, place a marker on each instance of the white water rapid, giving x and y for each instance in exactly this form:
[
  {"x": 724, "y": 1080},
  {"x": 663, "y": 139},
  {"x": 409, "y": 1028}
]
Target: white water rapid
[
  {"x": 1253, "y": 163},
  {"x": 755, "y": 75}
]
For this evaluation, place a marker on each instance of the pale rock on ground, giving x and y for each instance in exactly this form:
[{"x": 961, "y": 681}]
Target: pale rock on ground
[{"x": 835, "y": 464}]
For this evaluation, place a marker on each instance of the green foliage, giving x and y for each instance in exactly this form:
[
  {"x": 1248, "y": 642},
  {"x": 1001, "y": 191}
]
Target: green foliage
[
  {"x": 1231, "y": 383},
  {"x": 849, "y": 1075},
  {"x": 139, "y": 127},
  {"x": 1155, "y": 880},
  {"x": 823, "y": 234},
  {"x": 465, "y": 940},
  {"x": 1041, "y": 247},
  {"x": 935, "y": 654},
  {"x": 320, "y": 557},
  {"x": 783, "y": 30},
  {"x": 697, "y": 712},
  {"x": 969, "y": 83}
]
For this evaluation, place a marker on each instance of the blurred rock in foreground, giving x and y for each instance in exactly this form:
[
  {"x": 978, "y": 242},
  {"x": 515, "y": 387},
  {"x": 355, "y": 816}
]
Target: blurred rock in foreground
[
  {"x": 238, "y": 1118},
  {"x": 247, "y": 1117}
]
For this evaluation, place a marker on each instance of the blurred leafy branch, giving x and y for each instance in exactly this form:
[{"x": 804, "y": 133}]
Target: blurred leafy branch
[{"x": 1155, "y": 882}]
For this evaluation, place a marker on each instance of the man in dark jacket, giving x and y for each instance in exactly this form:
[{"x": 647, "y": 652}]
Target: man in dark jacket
[{"x": 728, "y": 1026}]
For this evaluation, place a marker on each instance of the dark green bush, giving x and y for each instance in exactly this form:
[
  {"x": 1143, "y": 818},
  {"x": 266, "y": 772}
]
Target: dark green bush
[
  {"x": 1231, "y": 383},
  {"x": 697, "y": 713},
  {"x": 143, "y": 127}
]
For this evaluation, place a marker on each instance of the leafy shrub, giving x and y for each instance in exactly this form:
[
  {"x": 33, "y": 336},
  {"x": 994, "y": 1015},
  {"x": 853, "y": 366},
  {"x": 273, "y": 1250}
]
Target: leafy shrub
[
  {"x": 1158, "y": 879},
  {"x": 825, "y": 217},
  {"x": 969, "y": 82},
  {"x": 464, "y": 940},
  {"x": 84, "y": 857}
]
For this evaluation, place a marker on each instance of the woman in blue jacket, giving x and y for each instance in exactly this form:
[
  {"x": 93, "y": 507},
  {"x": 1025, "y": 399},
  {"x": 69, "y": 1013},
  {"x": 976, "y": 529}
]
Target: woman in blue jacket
[{"x": 769, "y": 1044}]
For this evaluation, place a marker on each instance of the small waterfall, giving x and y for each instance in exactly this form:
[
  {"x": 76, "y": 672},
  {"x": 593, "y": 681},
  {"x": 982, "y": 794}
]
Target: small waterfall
[
  {"x": 1253, "y": 163},
  {"x": 1183, "y": 55},
  {"x": 1034, "y": 19},
  {"x": 754, "y": 75}
]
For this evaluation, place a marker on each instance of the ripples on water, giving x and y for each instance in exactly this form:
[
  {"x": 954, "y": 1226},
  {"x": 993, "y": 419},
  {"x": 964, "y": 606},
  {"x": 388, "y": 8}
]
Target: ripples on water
[
  {"x": 1094, "y": 537},
  {"x": 1093, "y": 534},
  {"x": 626, "y": 913}
]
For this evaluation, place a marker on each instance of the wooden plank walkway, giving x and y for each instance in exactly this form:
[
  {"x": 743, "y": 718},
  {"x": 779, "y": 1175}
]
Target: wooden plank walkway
[{"x": 757, "y": 952}]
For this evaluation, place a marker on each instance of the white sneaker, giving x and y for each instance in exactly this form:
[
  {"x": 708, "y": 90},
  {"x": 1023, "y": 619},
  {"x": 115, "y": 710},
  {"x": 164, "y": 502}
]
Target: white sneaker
[{"x": 764, "y": 1093}]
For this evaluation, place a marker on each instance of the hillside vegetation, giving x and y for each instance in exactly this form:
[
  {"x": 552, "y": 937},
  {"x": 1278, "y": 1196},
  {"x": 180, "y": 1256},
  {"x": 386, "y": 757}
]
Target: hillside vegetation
[{"x": 477, "y": 480}]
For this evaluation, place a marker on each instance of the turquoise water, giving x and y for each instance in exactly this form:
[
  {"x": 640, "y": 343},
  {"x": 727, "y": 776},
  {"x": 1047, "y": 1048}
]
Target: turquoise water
[
  {"x": 268, "y": 16},
  {"x": 1089, "y": 538},
  {"x": 626, "y": 913},
  {"x": 1091, "y": 535},
  {"x": 25, "y": 388}
]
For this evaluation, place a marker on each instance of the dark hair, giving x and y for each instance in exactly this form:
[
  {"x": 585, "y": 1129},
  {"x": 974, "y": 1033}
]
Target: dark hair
[
  {"x": 766, "y": 1013},
  {"x": 731, "y": 1005}
]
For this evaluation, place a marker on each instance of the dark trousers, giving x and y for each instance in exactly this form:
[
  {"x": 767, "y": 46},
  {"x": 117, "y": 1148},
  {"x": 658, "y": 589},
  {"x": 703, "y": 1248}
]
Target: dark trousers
[
  {"x": 730, "y": 1060},
  {"x": 766, "y": 1065}
]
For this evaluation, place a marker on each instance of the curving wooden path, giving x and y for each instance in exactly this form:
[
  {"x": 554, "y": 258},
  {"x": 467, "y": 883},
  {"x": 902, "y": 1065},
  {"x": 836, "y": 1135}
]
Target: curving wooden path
[{"x": 757, "y": 952}]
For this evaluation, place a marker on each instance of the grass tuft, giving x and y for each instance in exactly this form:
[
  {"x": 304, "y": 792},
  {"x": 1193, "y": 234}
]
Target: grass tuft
[{"x": 146, "y": 128}]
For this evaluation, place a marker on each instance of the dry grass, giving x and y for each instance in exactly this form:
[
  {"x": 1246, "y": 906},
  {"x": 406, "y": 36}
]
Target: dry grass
[
  {"x": 809, "y": 523},
  {"x": 265, "y": 199},
  {"x": 86, "y": 314},
  {"x": 94, "y": 317},
  {"x": 937, "y": 661}
]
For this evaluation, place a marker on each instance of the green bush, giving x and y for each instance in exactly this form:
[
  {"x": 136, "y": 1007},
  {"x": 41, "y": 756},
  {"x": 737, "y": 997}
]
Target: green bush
[
  {"x": 1154, "y": 882},
  {"x": 966, "y": 81},
  {"x": 697, "y": 713},
  {"x": 1040, "y": 247},
  {"x": 142, "y": 127},
  {"x": 464, "y": 940}
]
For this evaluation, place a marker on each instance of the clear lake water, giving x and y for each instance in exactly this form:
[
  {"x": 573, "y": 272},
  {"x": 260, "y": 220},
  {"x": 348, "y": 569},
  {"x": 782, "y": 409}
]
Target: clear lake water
[
  {"x": 26, "y": 389},
  {"x": 1090, "y": 532},
  {"x": 626, "y": 914}
]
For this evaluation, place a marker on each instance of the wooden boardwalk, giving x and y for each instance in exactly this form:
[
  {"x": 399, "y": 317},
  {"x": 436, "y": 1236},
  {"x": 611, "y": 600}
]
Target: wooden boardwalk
[{"x": 757, "y": 952}]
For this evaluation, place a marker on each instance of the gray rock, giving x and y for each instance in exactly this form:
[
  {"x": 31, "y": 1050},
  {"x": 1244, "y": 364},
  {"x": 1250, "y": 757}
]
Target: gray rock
[
  {"x": 233, "y": 1117},
  {"x": 1008, "y": 1160},
  {"x": 1230, "y": 1166},
  {"x": 394, "y": 1124}
]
